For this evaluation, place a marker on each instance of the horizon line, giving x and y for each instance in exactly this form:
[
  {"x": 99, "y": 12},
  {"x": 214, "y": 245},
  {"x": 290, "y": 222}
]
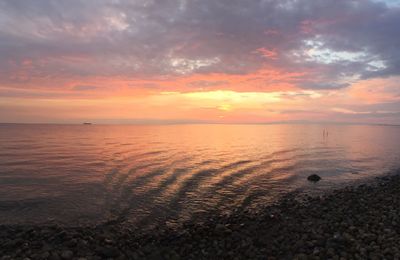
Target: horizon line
[{"x": 202, "y": 123}]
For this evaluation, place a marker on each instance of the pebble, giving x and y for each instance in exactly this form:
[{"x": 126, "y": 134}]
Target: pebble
[
  {"x": 351, "y": 223},
  {"x": 67, "y": 254}
]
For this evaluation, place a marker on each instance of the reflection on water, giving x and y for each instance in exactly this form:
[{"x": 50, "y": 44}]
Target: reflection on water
[{"x": 147, "y": 174}]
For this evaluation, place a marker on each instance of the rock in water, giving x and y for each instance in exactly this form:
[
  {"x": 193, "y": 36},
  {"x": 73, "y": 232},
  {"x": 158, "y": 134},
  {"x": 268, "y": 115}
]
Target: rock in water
[{"x": 313, "y": 178}]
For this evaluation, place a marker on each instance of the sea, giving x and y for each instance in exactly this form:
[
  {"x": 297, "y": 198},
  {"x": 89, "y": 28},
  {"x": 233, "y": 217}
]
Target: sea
[{"x": 146, "y": 175}]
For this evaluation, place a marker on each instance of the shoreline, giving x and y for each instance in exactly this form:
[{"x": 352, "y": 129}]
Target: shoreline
[{"x": 356, "y": 222}]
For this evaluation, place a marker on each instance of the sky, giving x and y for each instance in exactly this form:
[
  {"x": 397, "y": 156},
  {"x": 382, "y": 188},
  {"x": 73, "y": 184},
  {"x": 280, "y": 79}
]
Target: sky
[{"x": 199, "y": 61}]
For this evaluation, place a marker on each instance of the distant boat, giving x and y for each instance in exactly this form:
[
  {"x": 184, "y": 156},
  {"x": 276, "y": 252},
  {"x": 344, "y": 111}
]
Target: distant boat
[{"x": 87, "y": 123}]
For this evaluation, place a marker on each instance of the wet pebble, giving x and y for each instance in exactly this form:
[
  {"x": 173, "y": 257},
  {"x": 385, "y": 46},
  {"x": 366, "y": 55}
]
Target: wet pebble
[{"x": 351, "y": 223}]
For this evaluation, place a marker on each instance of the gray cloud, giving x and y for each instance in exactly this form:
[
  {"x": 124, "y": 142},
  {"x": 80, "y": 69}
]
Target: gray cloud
[
  {"x": 83, "y": 87},
  {"x": 334, "y": 42},
  {"x": 324, "y": 85}
]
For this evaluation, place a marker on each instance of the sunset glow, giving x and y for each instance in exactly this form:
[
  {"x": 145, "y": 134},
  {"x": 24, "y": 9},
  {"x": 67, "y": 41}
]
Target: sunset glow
[{"x": 199, "y": 61}]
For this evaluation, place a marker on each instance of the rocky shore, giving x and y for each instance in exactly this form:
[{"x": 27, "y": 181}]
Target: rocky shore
[{"x": 359, "y": 222}]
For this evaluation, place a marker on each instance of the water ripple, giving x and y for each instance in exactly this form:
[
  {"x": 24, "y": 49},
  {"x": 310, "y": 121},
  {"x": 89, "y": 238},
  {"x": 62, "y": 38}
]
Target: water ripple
[{"x": 149, "y": 174}]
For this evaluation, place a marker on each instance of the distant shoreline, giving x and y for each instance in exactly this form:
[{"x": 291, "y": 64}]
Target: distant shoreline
[
  {"x": 202, "y": 123},
  {"x": 362, "y": 221}
]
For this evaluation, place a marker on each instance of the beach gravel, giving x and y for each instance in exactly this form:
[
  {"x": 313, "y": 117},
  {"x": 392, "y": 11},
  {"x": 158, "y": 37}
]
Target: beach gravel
[{"x": 358, "y": 222}]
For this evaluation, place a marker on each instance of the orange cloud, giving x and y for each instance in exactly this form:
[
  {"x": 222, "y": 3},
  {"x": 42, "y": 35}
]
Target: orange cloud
[
  {"x": 271, "y": 54},
  {"x": 375, "y": 91}
]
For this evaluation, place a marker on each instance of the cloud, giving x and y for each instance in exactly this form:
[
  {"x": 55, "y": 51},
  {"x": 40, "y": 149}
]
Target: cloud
[
  {"x": 318, "y": 55},
  {"x": 206, "y": 83},
  {"x": 347, "y": 113},
  {"x": 335, "y": 42},
  {"x": 83, "y": 87},
  {"x": 324, "y": 85}
]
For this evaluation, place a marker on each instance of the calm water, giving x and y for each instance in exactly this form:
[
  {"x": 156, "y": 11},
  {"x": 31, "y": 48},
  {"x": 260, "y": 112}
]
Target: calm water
[{"x": 81, "y": 174}]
